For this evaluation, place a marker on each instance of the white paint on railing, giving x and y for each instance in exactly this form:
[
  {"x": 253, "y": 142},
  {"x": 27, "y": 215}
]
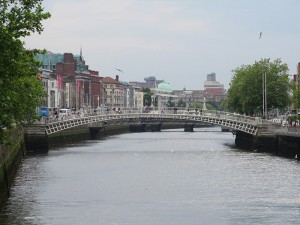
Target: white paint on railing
[{"x": 234, "y": 122}]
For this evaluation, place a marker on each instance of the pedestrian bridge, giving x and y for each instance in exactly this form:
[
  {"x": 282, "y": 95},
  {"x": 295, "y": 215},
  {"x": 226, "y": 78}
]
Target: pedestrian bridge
[
  {"x": 235, "y": 122},
  {"x": 250, "y": 132}
]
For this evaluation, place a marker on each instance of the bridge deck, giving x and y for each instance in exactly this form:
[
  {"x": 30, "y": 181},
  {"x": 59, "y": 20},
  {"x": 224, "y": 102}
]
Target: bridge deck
[
  {"x": 246, "y": 124},
  {"x": 251, "y": 125}
]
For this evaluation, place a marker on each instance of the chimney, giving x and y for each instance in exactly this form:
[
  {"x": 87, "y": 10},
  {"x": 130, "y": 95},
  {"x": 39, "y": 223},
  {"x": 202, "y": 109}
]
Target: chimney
[{"x": 117, "y": 77}]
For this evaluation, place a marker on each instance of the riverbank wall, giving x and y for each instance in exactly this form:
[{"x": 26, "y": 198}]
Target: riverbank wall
[
  {"x": 280, "y": 145},
  {"x": 38, "y": 142},
  {"x": 10, "y": 158},
  {"x": 262, "y": 142},
  {"x": 83, "y": 133}
]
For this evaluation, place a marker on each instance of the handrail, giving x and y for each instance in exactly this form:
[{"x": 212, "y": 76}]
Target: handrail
[
  {"x": 240, "y": 123},
  {"x": 206, "y": 113}
]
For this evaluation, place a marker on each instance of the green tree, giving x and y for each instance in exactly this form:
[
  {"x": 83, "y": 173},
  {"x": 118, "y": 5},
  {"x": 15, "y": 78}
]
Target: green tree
[
  {"x": 246, "y": 89},
  {"x": 147, "y": 96},
  {"x": 198, "y": 105},
  {"x": 20, "y": 90},
  {"x": 170, "y": 103},
  {"x": 295, "y": 98},
  {"x": 181, "y": 103}
]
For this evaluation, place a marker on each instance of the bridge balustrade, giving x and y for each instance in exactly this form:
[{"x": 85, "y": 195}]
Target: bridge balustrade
[
  {"x": 243, "y": 123},
  {"x": 204, "y": 113}
]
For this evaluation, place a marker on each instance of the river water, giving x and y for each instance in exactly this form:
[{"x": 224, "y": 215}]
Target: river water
[{"x": 159, "y": 178}]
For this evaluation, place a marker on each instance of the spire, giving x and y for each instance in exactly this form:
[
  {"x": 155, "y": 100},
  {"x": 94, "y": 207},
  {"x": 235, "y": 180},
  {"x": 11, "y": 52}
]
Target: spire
[{"x": 81, "y": 51}]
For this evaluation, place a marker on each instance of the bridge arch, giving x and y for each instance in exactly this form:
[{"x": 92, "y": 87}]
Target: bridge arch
[{"x": 245, "y": 124}]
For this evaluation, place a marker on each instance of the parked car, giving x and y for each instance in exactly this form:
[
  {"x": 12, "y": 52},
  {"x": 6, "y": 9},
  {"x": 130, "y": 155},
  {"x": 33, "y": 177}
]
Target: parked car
[
  {"x": 64, "y": 112},
  {"x": 44, "y": 111}
]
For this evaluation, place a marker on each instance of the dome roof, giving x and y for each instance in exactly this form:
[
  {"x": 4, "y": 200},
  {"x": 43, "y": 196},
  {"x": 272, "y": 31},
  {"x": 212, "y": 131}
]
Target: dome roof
[{"x": 165, "y": 87}]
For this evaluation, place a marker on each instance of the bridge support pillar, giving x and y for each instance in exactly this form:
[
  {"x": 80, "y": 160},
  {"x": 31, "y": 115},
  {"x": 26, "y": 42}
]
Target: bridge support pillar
[
  {"x": 244, "y": 140},
  {"x": 155, "y": 127},
  {"x": 188, "y": 127},
  {"x": 95, "y": 132},
  {"x": 225, "y": 129},
  {"x": 137, "y": 128}
]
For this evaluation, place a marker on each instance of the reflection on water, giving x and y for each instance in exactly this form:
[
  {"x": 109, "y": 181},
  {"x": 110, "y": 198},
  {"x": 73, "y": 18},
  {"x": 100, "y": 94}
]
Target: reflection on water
[{"x": 168, "y": 177}]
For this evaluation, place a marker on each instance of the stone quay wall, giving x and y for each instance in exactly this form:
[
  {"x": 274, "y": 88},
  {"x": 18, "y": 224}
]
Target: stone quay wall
[
  {"x": 11, "y": 155},
  {"x": 286, "y": 146}
]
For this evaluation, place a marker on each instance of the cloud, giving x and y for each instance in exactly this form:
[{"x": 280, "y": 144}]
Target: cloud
[
  {"x": 118, "y": 24},
  {"x": 188, "y": 26},
  {"x": 169, "y": 38}
]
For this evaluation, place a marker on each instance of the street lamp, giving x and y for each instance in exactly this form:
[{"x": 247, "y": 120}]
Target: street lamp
[
  {"x": 204, "y": 106},
  {"x": 264, "y": 88},
  {"x": 152, "y": 101}
]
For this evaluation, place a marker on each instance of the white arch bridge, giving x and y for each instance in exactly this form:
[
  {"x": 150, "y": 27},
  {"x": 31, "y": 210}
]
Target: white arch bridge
[
  {"x": 251, "y": 132},
  {"x": 245, "y": 124}
]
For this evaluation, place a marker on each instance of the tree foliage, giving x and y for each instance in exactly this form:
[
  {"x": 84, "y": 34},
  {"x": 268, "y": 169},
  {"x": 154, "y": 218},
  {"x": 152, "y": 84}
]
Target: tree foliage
[
  {"x": 20, "y": 90},
  {"x": 295, "y": 98},
  {"x": 181, "y": 103},
  {"x": 147, "y": 96},
  {"x": 198, "y": 105},
  {"x": 245, "y": 94},
  {"x": 170, "y": 103}
]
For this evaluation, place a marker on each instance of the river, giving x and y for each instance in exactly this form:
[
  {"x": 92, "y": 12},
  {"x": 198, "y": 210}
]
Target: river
[{"x": 155, "y": 178}]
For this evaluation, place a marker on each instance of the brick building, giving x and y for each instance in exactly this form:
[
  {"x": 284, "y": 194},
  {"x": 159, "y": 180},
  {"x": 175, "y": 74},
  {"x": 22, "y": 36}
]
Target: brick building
[
  {"x": 213, "y": 89},
  {"x": 71, "y": 83}
]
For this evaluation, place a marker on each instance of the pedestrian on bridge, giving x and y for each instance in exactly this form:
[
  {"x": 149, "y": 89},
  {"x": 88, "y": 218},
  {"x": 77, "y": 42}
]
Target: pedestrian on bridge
[{"x": 55, "y": 115}]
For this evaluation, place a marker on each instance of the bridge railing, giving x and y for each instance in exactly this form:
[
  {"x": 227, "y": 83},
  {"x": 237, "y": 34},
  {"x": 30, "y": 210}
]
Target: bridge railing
[{"x": 156, "y": 111}]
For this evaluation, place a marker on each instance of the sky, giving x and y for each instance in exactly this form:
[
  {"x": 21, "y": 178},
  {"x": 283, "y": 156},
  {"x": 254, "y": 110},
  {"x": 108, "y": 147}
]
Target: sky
[{"x": 178, "y": 41}]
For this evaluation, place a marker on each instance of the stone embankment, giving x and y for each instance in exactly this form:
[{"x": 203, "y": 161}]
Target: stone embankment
[
  {"x": 11, "y": 155},
  {"x": 281, "y": 141}
]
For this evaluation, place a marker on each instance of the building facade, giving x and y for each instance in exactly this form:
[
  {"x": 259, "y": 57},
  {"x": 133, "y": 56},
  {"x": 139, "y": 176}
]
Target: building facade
[
  {"x": 191, "y": 98},
  {"x": 150, "y": 82},
  {"x": 70, "y": 83},
  {"x": 213, "y": 89},
  {"x": 113, "y": 93},
  {"x": 163, "y": 96},
  {"x": 118, "y": 94}
]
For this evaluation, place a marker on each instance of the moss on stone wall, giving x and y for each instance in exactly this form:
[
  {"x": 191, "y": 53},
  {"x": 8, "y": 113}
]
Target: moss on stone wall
[
  {"x": 82, "y": 133},
  {"x": 116, "y": 129}
]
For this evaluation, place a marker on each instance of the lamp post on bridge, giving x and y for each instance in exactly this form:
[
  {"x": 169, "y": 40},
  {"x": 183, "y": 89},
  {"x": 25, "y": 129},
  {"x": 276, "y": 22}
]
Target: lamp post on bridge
[
  {"x": 93, "y": 103},
  {"x": 264, "y": 88},
  {"x": 204, "y": 105}
]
